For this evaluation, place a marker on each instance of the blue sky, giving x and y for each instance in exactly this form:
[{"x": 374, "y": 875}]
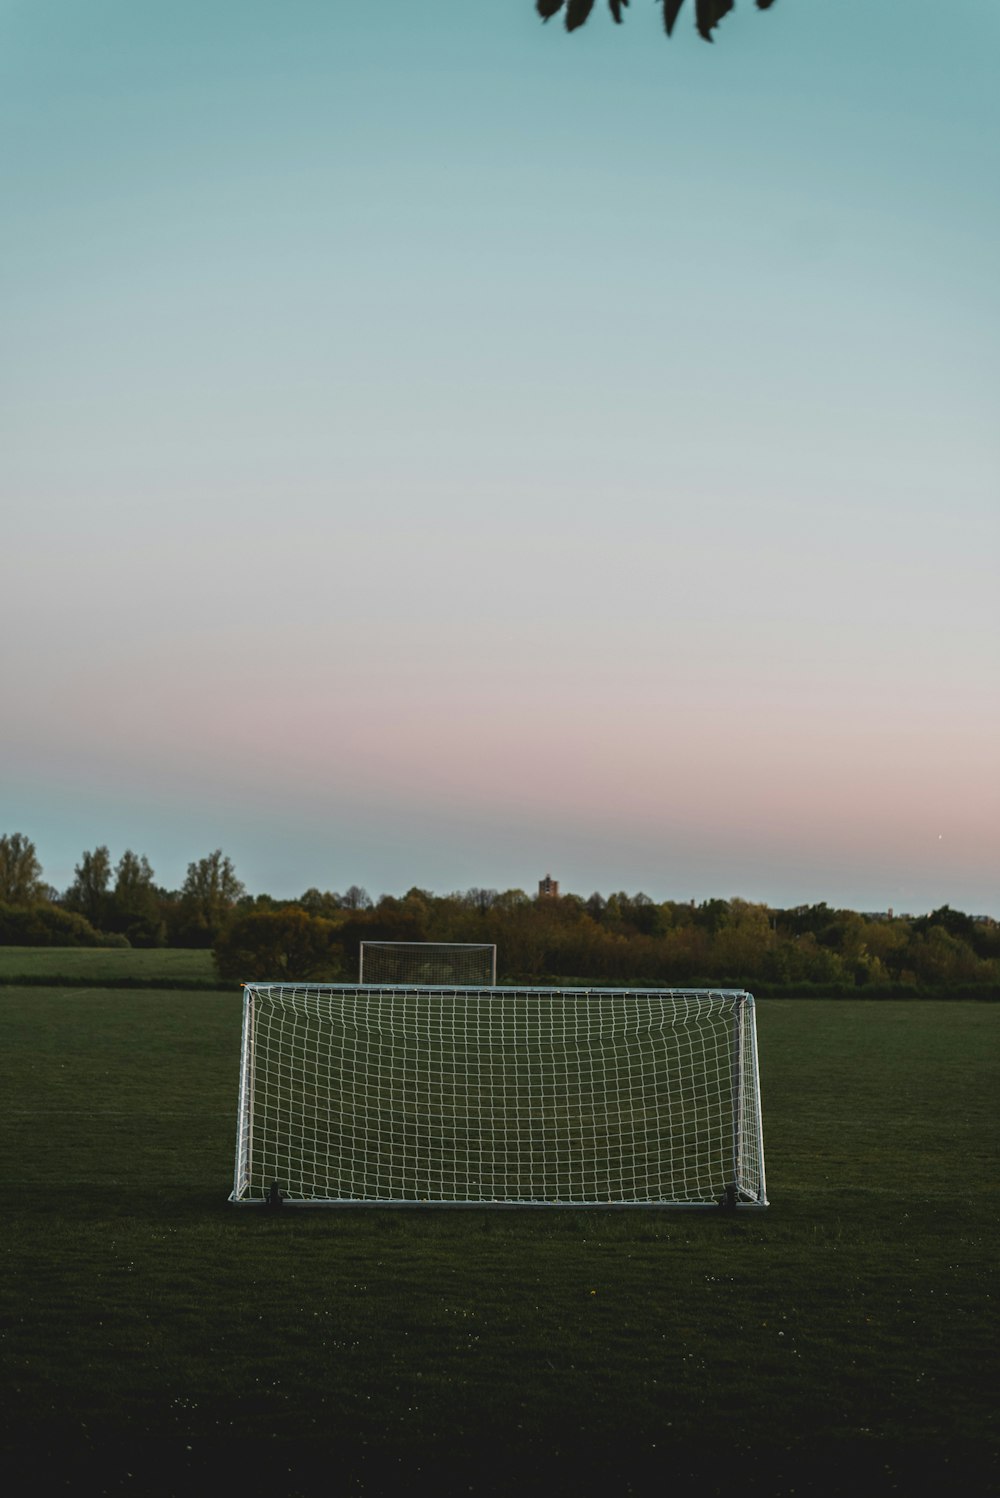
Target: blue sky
[{"x": 439, "y": 450}]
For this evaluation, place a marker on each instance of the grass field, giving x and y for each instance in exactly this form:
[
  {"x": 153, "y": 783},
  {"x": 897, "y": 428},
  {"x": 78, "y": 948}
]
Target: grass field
[
  {"x": 155, "y": 1339},
  {"x": 99, "y": 965}
]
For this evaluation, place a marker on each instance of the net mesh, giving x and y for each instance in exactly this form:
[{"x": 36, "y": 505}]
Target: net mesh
[
  {"x": 564, "y": 1096},
  {"x": 427, "y": 962}
]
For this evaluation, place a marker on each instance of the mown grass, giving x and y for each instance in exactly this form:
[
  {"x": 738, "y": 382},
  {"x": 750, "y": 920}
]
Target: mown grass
[
  {"x": 157, "y": 1340},
  {"x": 99, "y": 965}
]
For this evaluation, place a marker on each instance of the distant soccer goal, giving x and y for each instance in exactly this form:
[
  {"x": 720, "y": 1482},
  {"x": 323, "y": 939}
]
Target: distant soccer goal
[
  {"x": 356, "y": 1094},
  {"x": 390, "y": 962}
]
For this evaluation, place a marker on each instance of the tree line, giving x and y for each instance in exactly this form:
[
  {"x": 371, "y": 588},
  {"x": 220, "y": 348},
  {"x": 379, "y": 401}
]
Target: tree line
[
  {"x": 618, "y": 938},
  {"x": 112, "y": 903}
]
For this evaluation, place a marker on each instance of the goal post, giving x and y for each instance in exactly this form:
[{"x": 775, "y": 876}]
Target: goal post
[
  {"x": 428, "y": 962},
  {"x": 365, "y": 1094}
]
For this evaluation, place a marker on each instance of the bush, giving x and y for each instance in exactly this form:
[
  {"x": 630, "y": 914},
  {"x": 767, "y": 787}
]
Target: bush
[
  {"x": 280, "y": 944},
  {"x": 48, "y": 926}
]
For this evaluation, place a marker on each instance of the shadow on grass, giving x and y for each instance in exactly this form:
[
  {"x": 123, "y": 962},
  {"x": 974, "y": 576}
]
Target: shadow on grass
[{"x": 497, "y": 1460}]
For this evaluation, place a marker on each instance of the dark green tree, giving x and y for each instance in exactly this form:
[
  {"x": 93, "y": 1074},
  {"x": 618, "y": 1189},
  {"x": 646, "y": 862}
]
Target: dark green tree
[
  {"x": 20, "y": 871},
  {"x": 281, "y": 944},
  {"x": 325, "y": 903},
  {"x": 88, "y": 894},
  {"x": 955, "y": 922},
  {"x": 712, "y": 915},
  {"x": 45, "y": 925},
  {"x": 938, "y": 957},
  {"x": 480, "y": 900},
  {"x": 595, "y": 906},
  {"x": 645, "y": 916},
  {"x": 134, "y": 903},
  {"x": 208, "y": 896}
]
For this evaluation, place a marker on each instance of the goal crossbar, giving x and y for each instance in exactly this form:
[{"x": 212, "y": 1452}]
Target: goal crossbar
[{"x": 450, "y": 1096}]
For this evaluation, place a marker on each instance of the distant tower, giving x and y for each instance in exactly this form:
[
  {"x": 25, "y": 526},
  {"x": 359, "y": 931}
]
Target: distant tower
[{"x": 548, "y": 888}]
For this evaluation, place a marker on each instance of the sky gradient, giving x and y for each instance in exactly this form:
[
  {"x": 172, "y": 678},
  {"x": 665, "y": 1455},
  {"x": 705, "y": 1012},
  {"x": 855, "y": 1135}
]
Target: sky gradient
[{"x": 438, "y": 450}]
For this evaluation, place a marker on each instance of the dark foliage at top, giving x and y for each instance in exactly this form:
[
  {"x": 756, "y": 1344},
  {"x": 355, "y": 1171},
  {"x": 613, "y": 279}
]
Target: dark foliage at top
[{"x": 708, "y": 13}]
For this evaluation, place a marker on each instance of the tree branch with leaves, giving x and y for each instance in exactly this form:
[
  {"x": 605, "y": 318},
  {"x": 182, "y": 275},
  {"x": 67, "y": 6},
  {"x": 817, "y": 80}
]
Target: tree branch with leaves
[{"x": 707, "y": 13}]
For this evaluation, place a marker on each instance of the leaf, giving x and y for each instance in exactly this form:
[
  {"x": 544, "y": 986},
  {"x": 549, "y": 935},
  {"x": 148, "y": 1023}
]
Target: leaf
[
  {"x": 671, "y": 10},
  {"x": 709, "y": 14},
  {"x": 548, "y": 8},
  {"x": 577, "y": 12}
]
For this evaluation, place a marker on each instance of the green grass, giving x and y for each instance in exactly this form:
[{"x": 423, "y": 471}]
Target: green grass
[
  {"x": 100, "y": 965},
  {"x": 155, "y": 1338}
]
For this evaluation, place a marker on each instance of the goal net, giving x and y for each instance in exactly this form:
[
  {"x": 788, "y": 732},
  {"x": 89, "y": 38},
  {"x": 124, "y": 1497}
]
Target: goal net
[
  {"x": 423, "y": 962},
  {"x": 357, "y": 1093}
]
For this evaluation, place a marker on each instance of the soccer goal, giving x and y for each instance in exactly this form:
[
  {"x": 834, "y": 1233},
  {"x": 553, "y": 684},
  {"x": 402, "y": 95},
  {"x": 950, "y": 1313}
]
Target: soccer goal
[
  {"x": 427, "y": 962},
  {"x": 356, "y": 1094}
]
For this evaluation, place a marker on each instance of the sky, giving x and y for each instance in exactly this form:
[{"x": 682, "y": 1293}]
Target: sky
[{"x": 438, "y": 450}]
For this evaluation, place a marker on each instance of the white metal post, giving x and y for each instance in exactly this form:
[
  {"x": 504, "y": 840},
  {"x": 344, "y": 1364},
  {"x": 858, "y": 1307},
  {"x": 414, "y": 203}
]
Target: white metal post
[{"x": 244, "y": 1136}]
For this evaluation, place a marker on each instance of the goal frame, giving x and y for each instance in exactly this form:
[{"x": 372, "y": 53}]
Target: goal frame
[
  {"x": 746, "y": 1134},
  {"x": 440, "y": 946}
]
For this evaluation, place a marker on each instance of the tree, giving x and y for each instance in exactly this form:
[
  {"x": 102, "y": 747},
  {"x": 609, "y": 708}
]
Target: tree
[
  {"x": 955, "y": 922},
  {"x": 743, "y": 941},
  {"x": 44, "y": 925},
  {"x": 595, "y": 906},
  {"x": 20, "y": 871},
  {"x": 208, "y": 895},
  {"x": 707, "y": 13},
  {"x": 645, "y": 916},
  {"x": 88, "y": 894},
  {"x": 283, "y": 944},
  {"x": 135, "y": 908},
  {"x": 940, "y": 957},
  {"x": 511, "y": 899},
  {"x": 321, "y": 902},
  {"x": 711, "y": 915},
  {"x": 480, "y": 900}
]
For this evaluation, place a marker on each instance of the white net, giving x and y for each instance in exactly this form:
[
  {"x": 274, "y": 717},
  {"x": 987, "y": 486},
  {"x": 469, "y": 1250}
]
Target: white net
[
  {"x": 354, "y": 1094},
  {"x": 427, "y": 962}
]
